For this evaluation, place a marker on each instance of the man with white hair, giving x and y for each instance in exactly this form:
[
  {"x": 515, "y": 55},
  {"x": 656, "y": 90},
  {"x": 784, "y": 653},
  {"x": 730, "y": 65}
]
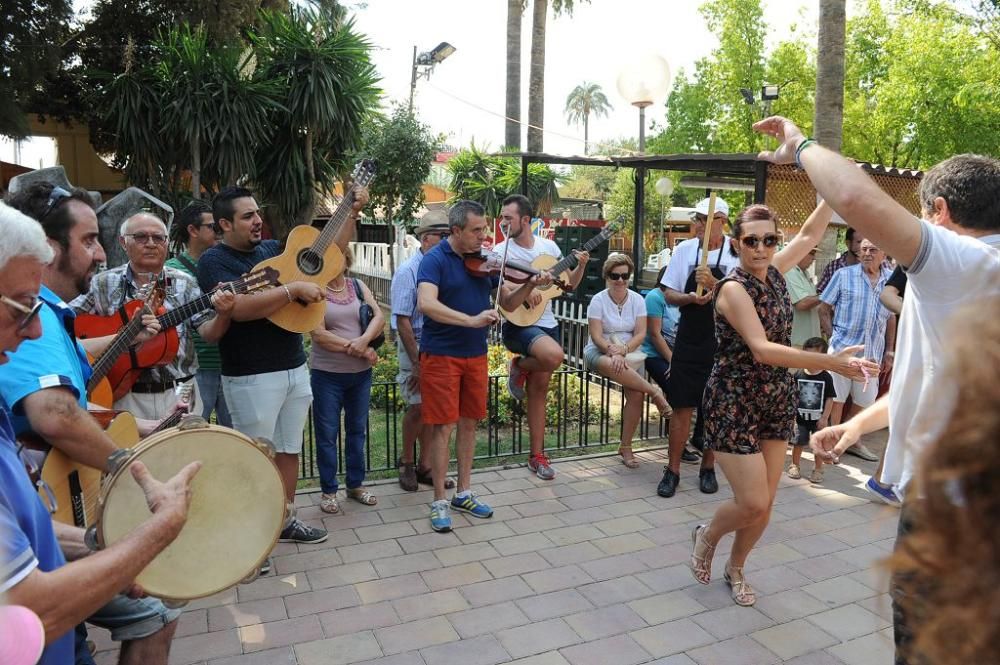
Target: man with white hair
[{"x": 144, "y": 238}]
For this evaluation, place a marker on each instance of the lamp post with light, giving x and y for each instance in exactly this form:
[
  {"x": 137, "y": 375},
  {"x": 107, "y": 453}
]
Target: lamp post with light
[
  {"x": 643, "y": 83},
  {"x": 423, "y": 64},
  {"x": 664, "y": 187}
]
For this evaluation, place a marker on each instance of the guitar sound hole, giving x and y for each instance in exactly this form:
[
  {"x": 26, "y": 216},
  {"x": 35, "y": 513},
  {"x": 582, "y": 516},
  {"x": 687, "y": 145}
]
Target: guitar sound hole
[{"x": 309, "y": 262}]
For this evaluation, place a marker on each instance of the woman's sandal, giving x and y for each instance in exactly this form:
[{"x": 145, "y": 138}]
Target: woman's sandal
[
  {"x": 630, "y": 461},
  {"x": 361, "y": 495},
  {"x": 328, "y": 504},
  {"x": 743, "y": 593},
  {"x": 701, "y": 564},
  {"x": 666, "y": 410}
]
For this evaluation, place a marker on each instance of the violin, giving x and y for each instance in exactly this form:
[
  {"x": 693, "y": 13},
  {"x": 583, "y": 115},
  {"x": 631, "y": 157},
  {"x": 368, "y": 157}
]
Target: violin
[{"x": 485, "y": 263}]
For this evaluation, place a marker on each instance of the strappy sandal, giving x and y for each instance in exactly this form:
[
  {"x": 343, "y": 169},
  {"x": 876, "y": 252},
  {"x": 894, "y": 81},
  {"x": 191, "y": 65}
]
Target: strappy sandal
[
  {"x": 701, "y": 565},
  {"x": 328, "y": 504},
  {"x": 743, "y": 594},
  {"x": 630, "y": 462},
  {"x": 666, "y": 410},
  {"x": 361, "y": 495}
]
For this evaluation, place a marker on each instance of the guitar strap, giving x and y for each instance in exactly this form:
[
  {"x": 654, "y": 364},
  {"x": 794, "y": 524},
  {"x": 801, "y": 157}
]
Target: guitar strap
[{"x": 188, "y": 263}]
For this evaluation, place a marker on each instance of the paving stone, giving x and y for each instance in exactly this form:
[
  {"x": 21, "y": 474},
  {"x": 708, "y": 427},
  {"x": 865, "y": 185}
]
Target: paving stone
[
  {"x": 193, "y": 623},
  {"x": 880, "y": 605},
  {"x": 774, "y": 580},
  {"x": 816, "y": 658},
  {"x": 411, "y": 658},
  {"x": 273, "y": 587},
  {"x": 495, "y": 591},
  {"x": 789, "y": 605},
  {"x": 196, "y": 648},
  {"x": 614, "y": 566},
  {"x": 623, "y": 525},
  {"x": 516, "y": 564},
  {"x": 570, "y": 535},
  {"x": 497, "y": 487},
  {"x": 605, "y": 622},
  {"x": 585, "y": 516},
  {"x": 824, "y": 567},
  {"x": 428, "y": 541},
  {"x": 349, "y": 573},
  {"x": 357, "y": 619},
  {"x": 794, "y": 638},
  {"x": 876, "y": 578},
  {"x": 369, "y": 534},
  {"x": 416, "y": 635},
  {"x": 408, "y": 563},
  {"x": 817, "y": 545},
  {"x": 620, "y": 650},
  {"x": 261, "y": 636},
  {"x": 550, "y": 658},
  {"x": 454, "y": 556},
  {"x": 617, "y": 590},
  {"x": 554, "y": 579},
  {"x": 848, "y": 622},
  {"x": 667, "y": 579},
  {"x": 567, "y": 554},
  {"x": 630, "y": 542},
  {"x": 537, "y": 637},
  {"x": 838, "y": 591},
  {"x": 279, "y": 656},
  {"x": 404, "y": 513},
  {"x": 583, "y": 501},
  {"x": 370, "y": 551},
  {"x": 732, "y": 621},
  {"x": 488, "y": 619},
  {"x": 339, "y": 650},
  {"x": 482, "y": 650},
  {"x": 324, "y": 600},
  {"x": 736, "y": 651},
  {"x": 391, "y": 588},
  {"x": 556, "y": 604},
  {"x": 422, "y": 606},
  {"x": 673, "y": 637},
  {"x": 535, "y": 524},
  {"x": 245, "y": 614},
  {"x": 297, "y": 563},
  {"x": 874, "y": 648},
  {"x": 529, "y": 542},
  {"x": 484, "y": 533},
  {"x": 676, "y": 659},
  {"x": 666, "y": 607}
]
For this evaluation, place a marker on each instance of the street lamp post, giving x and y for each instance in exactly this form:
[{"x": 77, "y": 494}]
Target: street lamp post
[
  {"x": 664, "y": 187},
  {"x": 642, "y": 83},
  {"x": 422, "y": 65}
]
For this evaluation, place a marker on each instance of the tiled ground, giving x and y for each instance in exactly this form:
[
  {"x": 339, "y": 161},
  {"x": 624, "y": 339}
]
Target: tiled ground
[{"x": 588, "y": 569}]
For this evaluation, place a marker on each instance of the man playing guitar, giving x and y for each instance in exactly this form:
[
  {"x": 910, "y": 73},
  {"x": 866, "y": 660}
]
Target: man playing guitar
[{"x": 538, "y": 346}]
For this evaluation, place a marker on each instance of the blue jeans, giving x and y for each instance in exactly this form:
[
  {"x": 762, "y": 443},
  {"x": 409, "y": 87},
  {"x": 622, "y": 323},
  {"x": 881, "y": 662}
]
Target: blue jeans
[
  {"x": 333, "y": 392},
  {"x": 212, "y": 396}
]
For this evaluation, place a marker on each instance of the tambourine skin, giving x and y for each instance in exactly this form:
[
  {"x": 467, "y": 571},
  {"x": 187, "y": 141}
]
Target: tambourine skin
[{"x": 237, "y": 510}]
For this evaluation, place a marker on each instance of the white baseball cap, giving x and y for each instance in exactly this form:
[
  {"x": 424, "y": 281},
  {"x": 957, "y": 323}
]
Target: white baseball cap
[{"x": 720, "y": 207}]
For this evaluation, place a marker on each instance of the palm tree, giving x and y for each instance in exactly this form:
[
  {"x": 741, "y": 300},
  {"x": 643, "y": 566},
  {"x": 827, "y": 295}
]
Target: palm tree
[
  {"x": 512, "y": 133},
  {"x": 829, "y": 116},
  {"x": 584, "y": 100},
  {"x": 536, "y": 83}
]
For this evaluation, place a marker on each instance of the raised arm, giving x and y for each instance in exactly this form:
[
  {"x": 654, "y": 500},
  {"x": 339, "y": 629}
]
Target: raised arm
[
  {"x": 847, "y": 189},
  {"x": 808, "y": 237}
]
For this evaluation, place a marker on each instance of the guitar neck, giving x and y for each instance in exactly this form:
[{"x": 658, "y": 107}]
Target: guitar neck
[
  {"x": 179, "y": 315},
  {"x": 168, "y": 422},
  {"x": 567, "y": 261},
  {"x": 329, "y": 232},
  {"x": 118, "y": 346}
]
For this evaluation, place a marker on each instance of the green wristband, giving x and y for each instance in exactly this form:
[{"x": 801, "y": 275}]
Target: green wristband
[{"x": 798, "y": 151}]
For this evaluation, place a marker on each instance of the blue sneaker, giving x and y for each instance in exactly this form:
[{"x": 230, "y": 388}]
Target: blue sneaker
[
  {"x": 472, "y": 505},
  {"x": 885, "y": 494},
  {"x": 440, "y": 516}
]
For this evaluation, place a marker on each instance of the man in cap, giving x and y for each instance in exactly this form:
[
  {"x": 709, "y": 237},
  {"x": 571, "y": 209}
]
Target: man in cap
[
  {"x": 694, "y": 350},
  {"x": 408, "y": 323}
]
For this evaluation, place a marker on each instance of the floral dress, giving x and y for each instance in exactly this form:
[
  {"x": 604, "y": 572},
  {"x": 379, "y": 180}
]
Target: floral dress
[{"x": 747, "y": 402}]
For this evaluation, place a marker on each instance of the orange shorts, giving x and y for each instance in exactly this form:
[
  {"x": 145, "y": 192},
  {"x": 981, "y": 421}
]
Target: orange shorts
[{"x": 452, "y": 388}]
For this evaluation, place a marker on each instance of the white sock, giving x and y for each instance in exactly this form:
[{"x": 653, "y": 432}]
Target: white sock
[{"x": 463, "y": 495}]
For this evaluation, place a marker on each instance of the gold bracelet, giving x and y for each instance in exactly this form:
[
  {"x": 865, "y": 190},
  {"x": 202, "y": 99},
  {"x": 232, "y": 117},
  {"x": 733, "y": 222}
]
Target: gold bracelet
[{"x": 288, "y": 293}]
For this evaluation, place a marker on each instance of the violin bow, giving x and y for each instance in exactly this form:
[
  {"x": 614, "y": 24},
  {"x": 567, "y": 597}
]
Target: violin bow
[{"x": 503, "y": 266}]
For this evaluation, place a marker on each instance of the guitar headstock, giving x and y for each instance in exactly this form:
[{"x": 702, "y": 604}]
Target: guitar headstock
[
  {"x": 155, "y": 293},
  {"x": 614, "y": 227},
  {"x": 364, "y": 172},
  {"x": 258, "y": 279}
]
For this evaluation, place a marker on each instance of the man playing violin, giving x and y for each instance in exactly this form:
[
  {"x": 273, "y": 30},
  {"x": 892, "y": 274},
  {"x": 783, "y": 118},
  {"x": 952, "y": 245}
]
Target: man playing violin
[
  {"x": 144, "y": 238},
  {"x": 453, "y": 378},
  {"x": 538, "y": 347}
]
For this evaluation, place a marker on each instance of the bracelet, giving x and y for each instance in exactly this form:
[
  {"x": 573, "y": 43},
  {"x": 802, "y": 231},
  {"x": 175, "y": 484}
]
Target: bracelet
[
  {"x": 798, "y": 151},
  {"x": 288, "y": 293}
]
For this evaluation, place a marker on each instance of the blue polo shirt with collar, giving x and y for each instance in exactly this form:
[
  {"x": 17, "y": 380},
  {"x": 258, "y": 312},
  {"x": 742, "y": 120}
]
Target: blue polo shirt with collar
[
  {"x": 55, "y": 359},
  {"x": 460, "y": 291}
]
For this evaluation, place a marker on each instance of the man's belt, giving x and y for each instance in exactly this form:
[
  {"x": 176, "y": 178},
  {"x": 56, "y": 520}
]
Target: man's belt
[{"x": 151, "y": 387}]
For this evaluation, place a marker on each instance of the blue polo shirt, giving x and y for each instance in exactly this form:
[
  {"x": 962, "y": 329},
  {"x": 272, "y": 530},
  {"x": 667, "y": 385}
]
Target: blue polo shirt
[
  {"x": 55, "y": 359},
  {"x": 460, "y": 291},
  {"x": 27, "y": 541}
]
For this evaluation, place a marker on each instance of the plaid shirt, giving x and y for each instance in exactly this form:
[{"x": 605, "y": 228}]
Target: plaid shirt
[
  {"x": 113, "y": 288},
  {"x": 858, "y": 315},
  {"x": 837, "y": 264}
]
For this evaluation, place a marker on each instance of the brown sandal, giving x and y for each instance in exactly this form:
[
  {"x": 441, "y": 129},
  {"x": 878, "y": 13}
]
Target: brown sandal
[
  {"x": 424, "y": 478},
  {"x": 743, "y": 593},
  {"x": 630, "y": 462},
  {"x": 361, "y": 495},
  {"x": 701, "y": 564}
]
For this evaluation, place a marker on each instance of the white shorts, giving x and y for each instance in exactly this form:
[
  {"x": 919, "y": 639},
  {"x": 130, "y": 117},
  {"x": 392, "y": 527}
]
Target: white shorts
[
  {"x": 844, "y": 388},
  {"x": 273, "y": 406},
  {"x": 410, "y": 395}
]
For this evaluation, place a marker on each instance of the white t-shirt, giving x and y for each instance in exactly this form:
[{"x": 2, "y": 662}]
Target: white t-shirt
[
  {"x": 686, "y": 258},
  {"x": 526, "y": 256},
  {"x": 612, "y": 319},
  {"x": 949, "y": 271}
]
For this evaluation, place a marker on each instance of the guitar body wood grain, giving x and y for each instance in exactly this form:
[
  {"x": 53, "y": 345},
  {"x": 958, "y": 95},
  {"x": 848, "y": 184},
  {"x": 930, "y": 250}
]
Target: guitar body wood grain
[
  {"x": 296, "y": 265},
  {"x": 526, "y": 315}
]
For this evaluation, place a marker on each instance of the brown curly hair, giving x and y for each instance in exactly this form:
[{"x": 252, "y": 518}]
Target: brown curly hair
[{"x": 948, "y": 567}]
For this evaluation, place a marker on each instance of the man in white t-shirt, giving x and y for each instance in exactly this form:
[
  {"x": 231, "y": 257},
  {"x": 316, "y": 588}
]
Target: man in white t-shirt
[
  {"x": 538, "y": 346},
  {"x": 952, "y": 257}
]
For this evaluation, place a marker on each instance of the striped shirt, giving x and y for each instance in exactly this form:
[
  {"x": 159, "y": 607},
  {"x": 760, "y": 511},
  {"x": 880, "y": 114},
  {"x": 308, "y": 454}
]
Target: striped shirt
[{"x": 858, "y": 315}]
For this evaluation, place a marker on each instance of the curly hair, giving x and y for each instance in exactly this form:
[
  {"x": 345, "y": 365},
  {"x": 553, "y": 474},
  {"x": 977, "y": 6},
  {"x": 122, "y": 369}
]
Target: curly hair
[{"x": 948, "y": 568}]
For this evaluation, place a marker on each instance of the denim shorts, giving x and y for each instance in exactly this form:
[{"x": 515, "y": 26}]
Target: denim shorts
[
  {"x": 133, "y": 619},
  {"x": 519, "y": 340}
]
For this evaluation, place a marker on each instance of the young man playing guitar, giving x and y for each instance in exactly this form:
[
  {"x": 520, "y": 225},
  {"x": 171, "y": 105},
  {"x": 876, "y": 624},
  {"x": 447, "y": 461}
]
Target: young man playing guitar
[{"x": 538, "y": 346}]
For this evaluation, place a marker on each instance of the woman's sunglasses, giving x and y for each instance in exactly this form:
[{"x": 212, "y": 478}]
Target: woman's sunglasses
[
  {"x": 615, "y": 276},
  {"x": 751, "y": 242}
]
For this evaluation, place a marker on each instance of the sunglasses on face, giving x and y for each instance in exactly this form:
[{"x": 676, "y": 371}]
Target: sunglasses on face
[
  {"x": 615, "y": 276},
  {"x": 57, "y": 195},
  {"x": 28, "y": 313},
  {"x": 143, "y": 238},
  {"x": 751, "y": 242}
]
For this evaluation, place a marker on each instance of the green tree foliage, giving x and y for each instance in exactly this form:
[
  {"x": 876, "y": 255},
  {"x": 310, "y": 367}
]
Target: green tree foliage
[
  {"x": 488, "y": 179},
  {"x": 583, "y": 101},
  {"x": 403, "y": 147},
  {"x": 30, "y": 34}
]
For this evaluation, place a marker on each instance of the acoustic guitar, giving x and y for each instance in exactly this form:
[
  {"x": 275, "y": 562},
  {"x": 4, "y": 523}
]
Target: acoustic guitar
[
  {"x": 121, "y": 363},
  {"x": 312, "y": 256},
  {"x": 70, "y": 490},
  {"x": 528, "y": 314}
]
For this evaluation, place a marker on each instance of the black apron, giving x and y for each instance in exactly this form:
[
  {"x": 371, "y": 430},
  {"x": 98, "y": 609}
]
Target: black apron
[{"x": 694, "y": 349}]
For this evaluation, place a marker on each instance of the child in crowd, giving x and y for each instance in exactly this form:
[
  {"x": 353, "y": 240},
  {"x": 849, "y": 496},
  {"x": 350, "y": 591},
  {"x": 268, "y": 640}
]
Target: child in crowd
[{"x": 815, "y": 403}]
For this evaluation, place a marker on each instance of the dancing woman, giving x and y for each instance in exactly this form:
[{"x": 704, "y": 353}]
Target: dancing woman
[{"x": 749, "y": 399}]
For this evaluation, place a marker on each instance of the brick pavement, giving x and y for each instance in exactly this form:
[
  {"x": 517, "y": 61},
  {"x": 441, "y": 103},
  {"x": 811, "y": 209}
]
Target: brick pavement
[{"x": 588, "y": 569}]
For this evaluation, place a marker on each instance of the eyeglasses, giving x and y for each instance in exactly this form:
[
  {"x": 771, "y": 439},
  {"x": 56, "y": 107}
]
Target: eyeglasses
[
  {"x": 57, "y": 195},
  {"x": 751, "y": 242},
  {"x": 615, "y": 276},
  {"x": 869, "y": 250},
  {"x": 439, "y": 234},
  {"x": 28, "y": 313},
  {"x": 143, "y": 238}
]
